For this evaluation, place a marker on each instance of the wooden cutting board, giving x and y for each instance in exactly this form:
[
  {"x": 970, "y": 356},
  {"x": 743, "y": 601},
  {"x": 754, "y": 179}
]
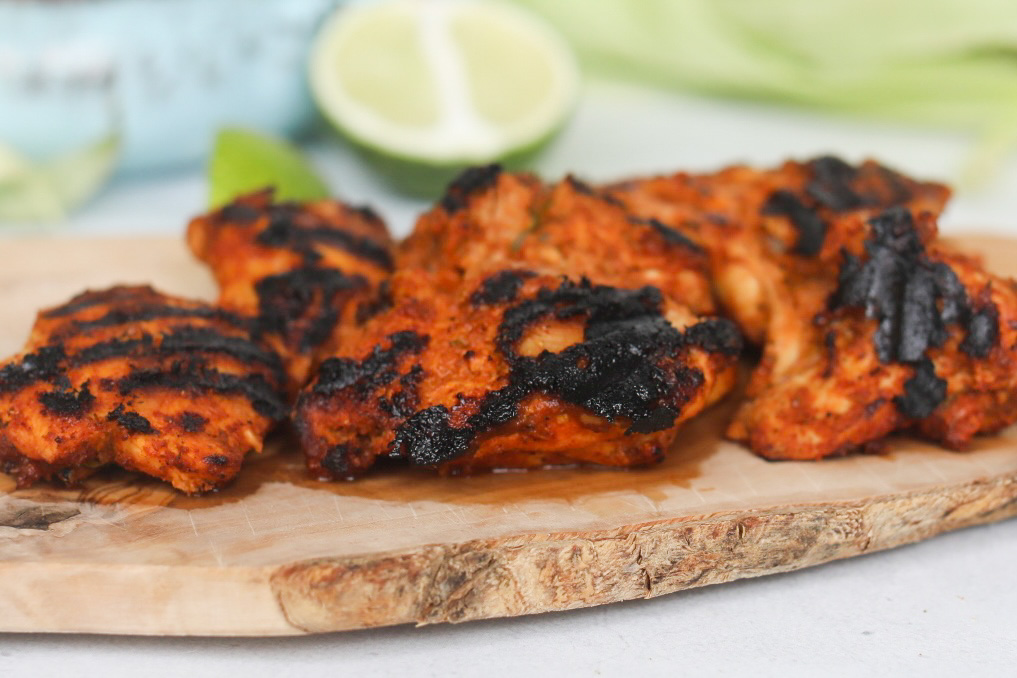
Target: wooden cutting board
[{"x": 279, "y": 554}]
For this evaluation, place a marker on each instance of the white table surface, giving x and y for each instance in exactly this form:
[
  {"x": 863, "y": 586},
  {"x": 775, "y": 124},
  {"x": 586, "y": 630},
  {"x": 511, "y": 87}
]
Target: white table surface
[{"x": 942, "y": 607}]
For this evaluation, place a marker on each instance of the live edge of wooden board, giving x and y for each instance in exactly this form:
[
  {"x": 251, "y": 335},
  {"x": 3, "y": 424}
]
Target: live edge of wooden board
[{"x": 279, "y": 554}]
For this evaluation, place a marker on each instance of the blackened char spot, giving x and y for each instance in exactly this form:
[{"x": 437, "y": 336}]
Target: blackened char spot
[
  {"x": 428, "y": 438},
  {"x": 500, "y": 287},
  {"x": 614, "y": 372},
  {"x": 308, "y": 298},
  {"x": 285, "y": 229},
  {"x": 627, "y": 366},
  {"x": 374, "y": 371},
  {"x": 45, "y": 364},
  {"x": 715, "y": 335},
  {"x": 196, "y": 379},
  {"x": 471, "y": 180},
  {"x": 663, "y": 417},
  {"x": 141, "y": 313},
  {"x": 874, "y": 407},
  {"x": 670, "y": 235},
  {"x": 192, "y": 422},
  {"x": 914, "y": 300},
  {"x": 580, "y": 186},
  {"x": 179, "y": 340},
  {"x": 379, "y": 301},
  {"x": 612, "y": 200},
  {"x": 830, "y": 343},
  {"x": 811, "y": 228},
  {"x": 68, "y": 402},
  {"x": 921, "y": 323},
  {"x": 983, "y": 331},
  {"x": 910, "y": 296},
  {"x": 118, "y": 296},
  {"x": 113, "y": 348},
  {"x": 335, "y": 460},
  {"x": 79, "y": 303},
  {"x": 831, "y": 184},
  {"x": 363, "y": 247},
  {"x": 216, "y": 460},
  {"x": 132, "y": 422},
  {"x": 202, "y": 340},
  {"x": 923, "y": 392},
  {"x": 404, "y": 401},
  {"x": 282, "y": 232},
  {"x": 841, "y": 187},
  {"x": 886, "y": 188}
]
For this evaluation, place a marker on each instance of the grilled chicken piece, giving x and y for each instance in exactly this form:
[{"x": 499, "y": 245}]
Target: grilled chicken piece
[
  {"x": 305, "y": 271},
  {"x": 169, "y": 387},
  {"x": 529, "y": 325},
  {"x": 514, "y": 369},
  {"x": 914, "y": 337},
  {"x": 867, "y": 325},
  {"x": 775, "y": 237},
  {"x": 490, "y": 220}
]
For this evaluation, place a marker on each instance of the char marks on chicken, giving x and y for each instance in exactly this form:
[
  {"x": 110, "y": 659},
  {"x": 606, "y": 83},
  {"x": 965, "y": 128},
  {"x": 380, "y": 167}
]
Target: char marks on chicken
[{"x": 172, "y": 388}]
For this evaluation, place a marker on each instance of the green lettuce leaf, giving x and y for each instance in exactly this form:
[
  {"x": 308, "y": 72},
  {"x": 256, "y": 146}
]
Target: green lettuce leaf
[{"x": 942, "y": 62}]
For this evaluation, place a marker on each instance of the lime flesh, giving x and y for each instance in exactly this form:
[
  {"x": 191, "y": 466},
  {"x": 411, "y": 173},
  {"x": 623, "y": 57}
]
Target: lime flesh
[{"x": 424, "y": 89}]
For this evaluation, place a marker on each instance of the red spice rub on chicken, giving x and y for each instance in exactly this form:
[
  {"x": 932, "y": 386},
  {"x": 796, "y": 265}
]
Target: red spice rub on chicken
[
  {"x": 528, "y": 325},
  {"x": 516, "y": 370},
  {"x": 169, "y": 387},
  {"x": 304, "y": 270},
  {"x": 868, "y": 325}
]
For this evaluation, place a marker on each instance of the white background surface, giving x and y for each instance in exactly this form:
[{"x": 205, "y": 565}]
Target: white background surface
[{"x": 943, "y": 607}]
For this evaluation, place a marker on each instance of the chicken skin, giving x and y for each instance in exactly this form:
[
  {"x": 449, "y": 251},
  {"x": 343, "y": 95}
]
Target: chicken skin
[
  {"x": 172, "y": 388},
  {"x": 528, "y": 325},
  {"x": 868, "y": 325},
  {"x": 305, "y": 271},
  {"x": 514, "y": 369}
]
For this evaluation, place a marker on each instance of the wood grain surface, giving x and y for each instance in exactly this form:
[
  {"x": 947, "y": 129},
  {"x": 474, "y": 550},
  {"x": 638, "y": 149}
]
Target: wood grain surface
[{"x": 278, "y": 553}]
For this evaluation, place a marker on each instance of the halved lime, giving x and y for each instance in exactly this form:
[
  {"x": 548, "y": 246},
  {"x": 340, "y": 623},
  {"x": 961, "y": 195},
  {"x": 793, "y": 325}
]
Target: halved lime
[{"x": 428, "y": 87}]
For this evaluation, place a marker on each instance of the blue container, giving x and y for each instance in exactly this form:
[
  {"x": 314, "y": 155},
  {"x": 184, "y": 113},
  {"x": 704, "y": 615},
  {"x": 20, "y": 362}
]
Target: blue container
[{"x": 164, "y": 74}]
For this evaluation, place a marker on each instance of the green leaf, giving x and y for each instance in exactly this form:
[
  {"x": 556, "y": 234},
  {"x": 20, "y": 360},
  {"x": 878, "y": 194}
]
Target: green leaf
[
  {"x": 48, "y": 191},
  {"x": 244, "y": 161}
]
